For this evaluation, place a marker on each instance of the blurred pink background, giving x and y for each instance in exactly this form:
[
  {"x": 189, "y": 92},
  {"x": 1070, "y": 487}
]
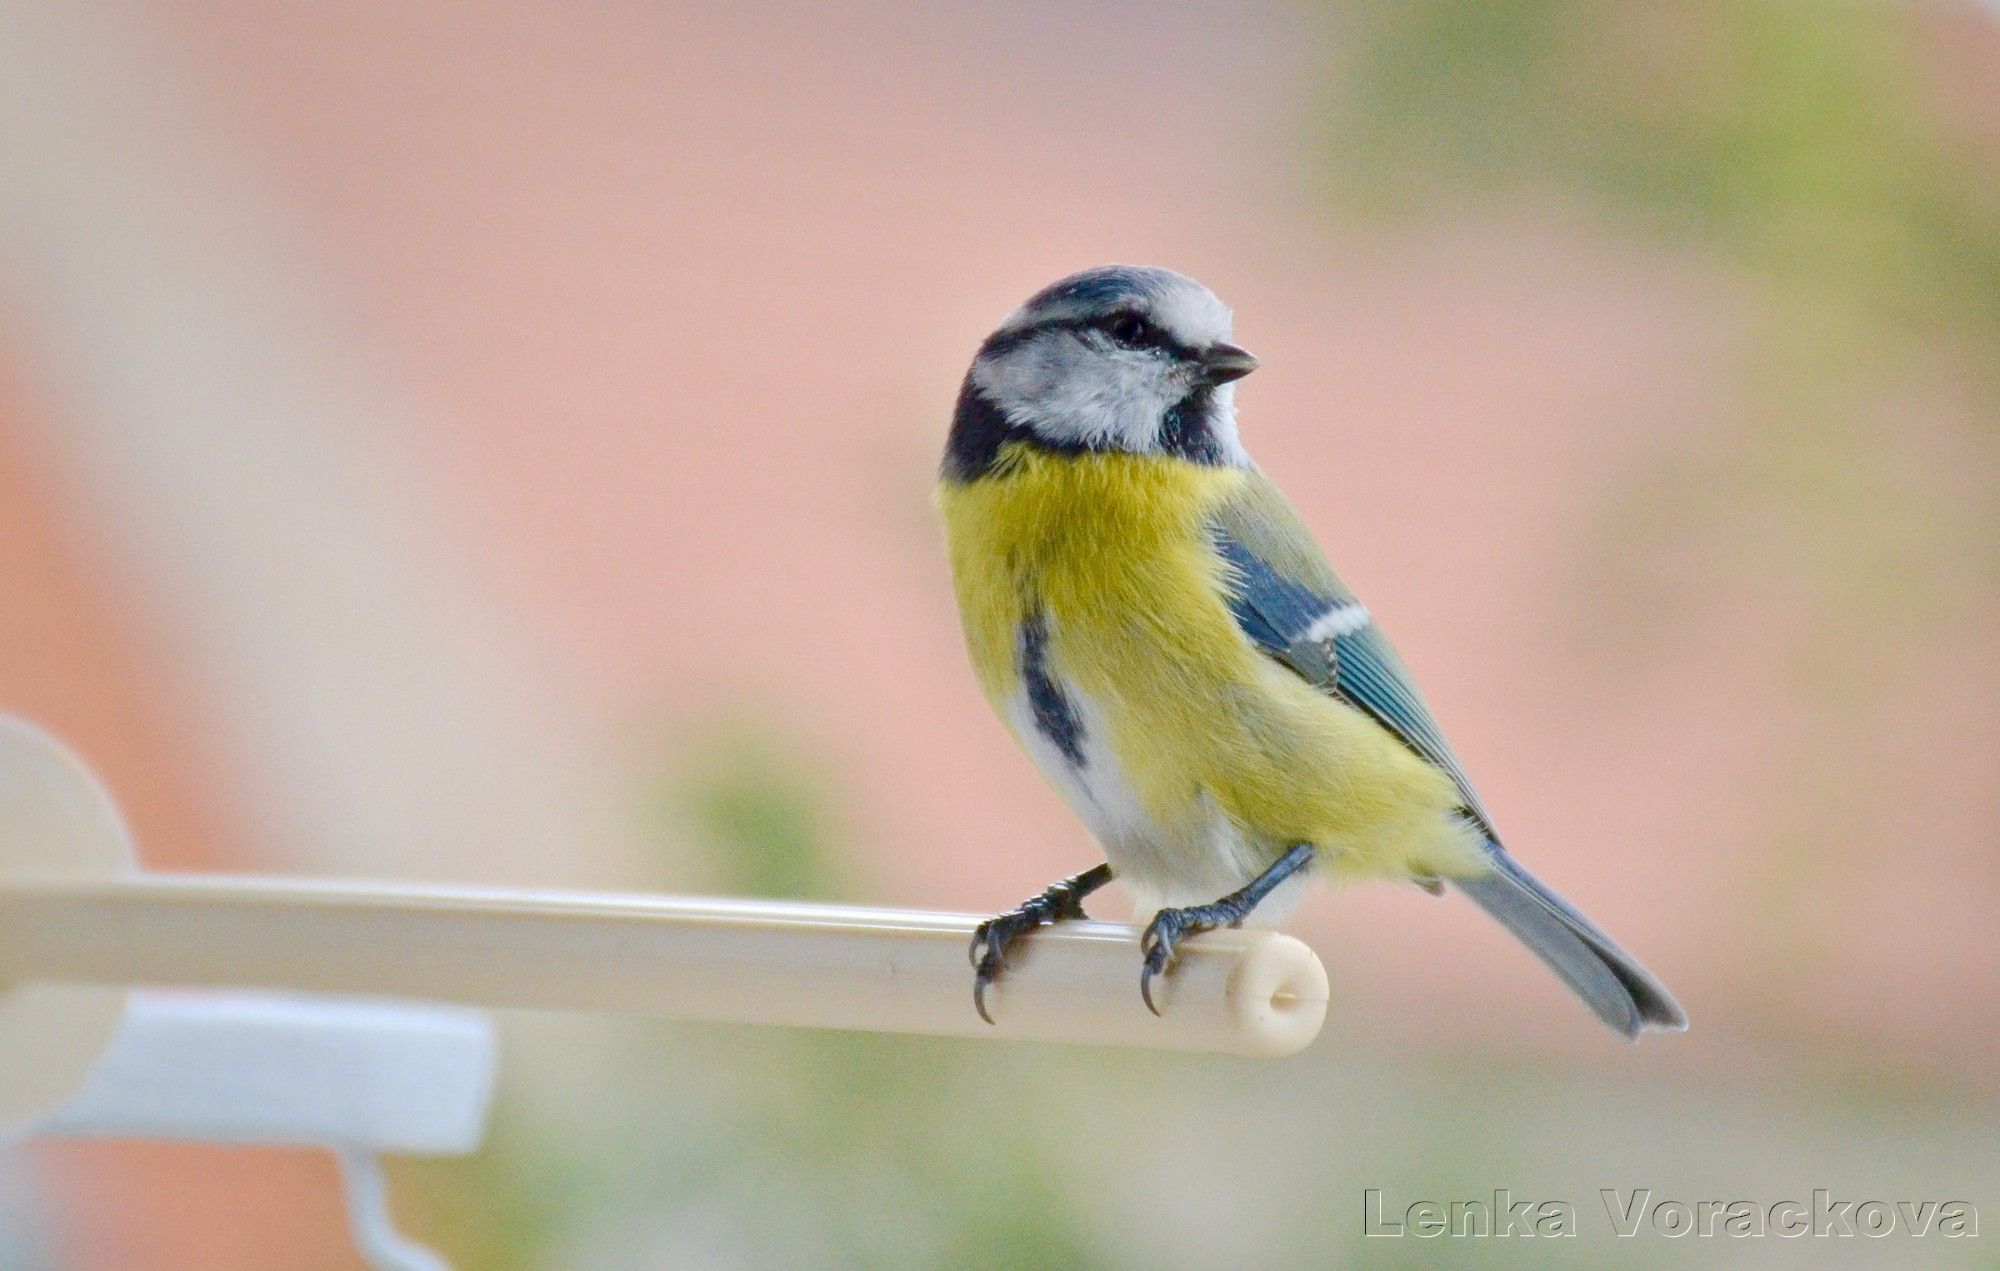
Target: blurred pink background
[{"x": 414, "y": 417}]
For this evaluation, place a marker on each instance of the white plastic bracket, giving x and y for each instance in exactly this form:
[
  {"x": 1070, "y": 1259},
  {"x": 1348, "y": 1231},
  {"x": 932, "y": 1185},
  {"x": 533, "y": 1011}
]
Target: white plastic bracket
[{"x": 360, "y": 1077}]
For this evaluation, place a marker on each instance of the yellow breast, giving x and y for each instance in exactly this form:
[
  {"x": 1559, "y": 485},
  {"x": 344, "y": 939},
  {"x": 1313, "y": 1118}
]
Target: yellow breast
[{"x": 1113, "y": 551}]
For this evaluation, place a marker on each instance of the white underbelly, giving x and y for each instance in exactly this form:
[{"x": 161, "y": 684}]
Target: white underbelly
[{"x": 1191, "y": 855}]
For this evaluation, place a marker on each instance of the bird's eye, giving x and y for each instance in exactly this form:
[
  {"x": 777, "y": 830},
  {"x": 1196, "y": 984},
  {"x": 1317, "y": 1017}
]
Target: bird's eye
[{"x": 1128, "y": 328}]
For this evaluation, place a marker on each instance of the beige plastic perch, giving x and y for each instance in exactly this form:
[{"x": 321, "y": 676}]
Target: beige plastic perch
[{"x": 78, "y": 925}]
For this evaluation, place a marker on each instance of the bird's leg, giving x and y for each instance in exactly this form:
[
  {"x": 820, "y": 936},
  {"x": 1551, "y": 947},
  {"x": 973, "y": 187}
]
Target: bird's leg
[
  {"x": 991, "y": 938},
  {"x": 1169, "y": 926}
]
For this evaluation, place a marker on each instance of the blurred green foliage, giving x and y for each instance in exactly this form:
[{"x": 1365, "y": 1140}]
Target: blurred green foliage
[
  {"x": 766, "y": 814},
  {"x": 1799, "y": 143}
]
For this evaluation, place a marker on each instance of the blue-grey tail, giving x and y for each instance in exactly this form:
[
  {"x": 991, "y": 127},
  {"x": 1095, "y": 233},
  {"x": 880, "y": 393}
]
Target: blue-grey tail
[{"x": 1609, "y": 980}]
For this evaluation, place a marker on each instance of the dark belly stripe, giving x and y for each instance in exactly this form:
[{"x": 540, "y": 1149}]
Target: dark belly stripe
[{"x": 1055, "y": 714}]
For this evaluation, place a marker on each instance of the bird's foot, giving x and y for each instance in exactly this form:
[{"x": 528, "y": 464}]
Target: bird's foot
[
  {"x": 991, "y": 939},
  {"x": 1158, "y": 943}
]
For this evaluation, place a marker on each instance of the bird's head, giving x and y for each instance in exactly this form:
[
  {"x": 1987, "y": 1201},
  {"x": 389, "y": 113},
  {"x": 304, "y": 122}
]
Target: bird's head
[{"x": 1119, "y": 358}]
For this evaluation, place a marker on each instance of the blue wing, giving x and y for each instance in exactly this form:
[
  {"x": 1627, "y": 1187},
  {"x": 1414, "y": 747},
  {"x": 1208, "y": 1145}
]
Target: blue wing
[{"x": 1290, "y": 603}]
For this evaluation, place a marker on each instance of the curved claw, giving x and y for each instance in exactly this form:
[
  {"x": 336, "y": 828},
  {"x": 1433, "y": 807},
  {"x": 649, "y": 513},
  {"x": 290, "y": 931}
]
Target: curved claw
[
  {"x": 1160, "y": 941},
  {"x": 1146, "y": 988},
  {"x": 989, "y": 951},
  {"x": 990, "y": 940},
  {"x": 1156, "y": 944},
  {"x": 979, "y": 983}
]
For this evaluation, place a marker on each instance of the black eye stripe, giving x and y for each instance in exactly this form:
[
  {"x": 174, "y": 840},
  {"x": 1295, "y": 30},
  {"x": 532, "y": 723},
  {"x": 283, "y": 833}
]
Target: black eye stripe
[{"x": 1150, "y": 336}]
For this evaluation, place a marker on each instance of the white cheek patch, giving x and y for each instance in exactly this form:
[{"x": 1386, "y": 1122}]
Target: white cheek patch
[{"x": 1067, "y": 391}]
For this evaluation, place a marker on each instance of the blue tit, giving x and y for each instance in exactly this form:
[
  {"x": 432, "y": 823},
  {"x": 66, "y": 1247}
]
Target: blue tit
[{"x": 1153, "y": 622}]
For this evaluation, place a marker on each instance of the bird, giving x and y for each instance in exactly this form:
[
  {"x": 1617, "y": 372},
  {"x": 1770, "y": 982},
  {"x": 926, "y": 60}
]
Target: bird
[{"x": 1154, "y": 623}]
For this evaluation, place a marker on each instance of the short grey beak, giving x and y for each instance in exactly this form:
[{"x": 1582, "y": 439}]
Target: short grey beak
[{"x": 1225, "y": 362}]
